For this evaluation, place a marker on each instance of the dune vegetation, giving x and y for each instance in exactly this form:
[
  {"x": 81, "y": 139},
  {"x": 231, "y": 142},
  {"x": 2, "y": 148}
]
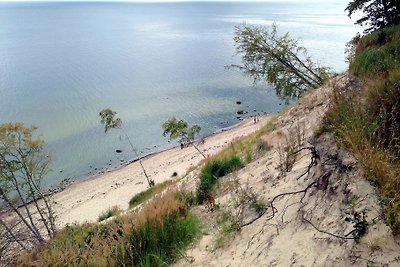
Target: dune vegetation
[
  {"x": 366, "y": 118},
  {"x": 153, "y": 236}
]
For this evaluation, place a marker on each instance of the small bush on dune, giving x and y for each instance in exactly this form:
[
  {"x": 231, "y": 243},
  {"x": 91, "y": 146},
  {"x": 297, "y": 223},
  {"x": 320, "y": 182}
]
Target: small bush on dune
[
  {"x": 109, "y": 213},
  {"x": 212, "y": 171}
]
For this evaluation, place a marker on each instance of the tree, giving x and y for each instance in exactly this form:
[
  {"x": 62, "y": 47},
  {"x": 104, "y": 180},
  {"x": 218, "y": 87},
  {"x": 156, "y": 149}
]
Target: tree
[
  {"x": 180, "y": 129},
  {"x": 26, "y": 214},
  {"x": 111, "y": 122},
  {"x": 278, "y": 60},
  {"x": 377, "y": 13}
]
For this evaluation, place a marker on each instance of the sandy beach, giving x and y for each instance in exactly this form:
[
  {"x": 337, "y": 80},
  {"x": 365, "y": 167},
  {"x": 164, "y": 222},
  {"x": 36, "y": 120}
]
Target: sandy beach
[{"x": 84, "y": 201}]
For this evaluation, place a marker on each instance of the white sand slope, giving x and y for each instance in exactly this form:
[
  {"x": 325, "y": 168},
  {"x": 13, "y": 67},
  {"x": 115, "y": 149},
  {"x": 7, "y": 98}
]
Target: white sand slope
[{"x": 287, "y": 238}]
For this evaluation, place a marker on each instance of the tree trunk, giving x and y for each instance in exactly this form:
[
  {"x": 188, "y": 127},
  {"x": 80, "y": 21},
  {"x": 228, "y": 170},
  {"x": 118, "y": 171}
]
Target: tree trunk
[
  {"x": 14, "y": 237},
  {"x": 140, "y": 160},
  {"x": 36, "y": 234},
  {"x": 191, "y": 142}
]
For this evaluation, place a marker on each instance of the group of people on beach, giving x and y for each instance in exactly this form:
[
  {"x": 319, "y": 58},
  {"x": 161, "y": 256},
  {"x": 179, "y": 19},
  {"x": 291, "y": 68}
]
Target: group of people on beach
[
  {"x": 202, "y": 141},
  {"x": 256, "y": 118}
]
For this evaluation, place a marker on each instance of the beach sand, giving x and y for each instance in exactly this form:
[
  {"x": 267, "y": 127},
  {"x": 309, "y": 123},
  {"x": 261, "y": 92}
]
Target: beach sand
[{"x": 84, "y": 201}]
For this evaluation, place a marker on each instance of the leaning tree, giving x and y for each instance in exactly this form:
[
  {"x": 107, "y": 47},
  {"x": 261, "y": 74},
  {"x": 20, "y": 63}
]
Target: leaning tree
[
  {"x": 181, "y": 130},
  {"x": 111, "y": 122},
  {"x": 278, "y": 60}
]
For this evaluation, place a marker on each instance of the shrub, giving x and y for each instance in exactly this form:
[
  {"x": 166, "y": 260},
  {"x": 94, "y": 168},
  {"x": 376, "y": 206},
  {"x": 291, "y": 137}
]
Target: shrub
[
  {"x": 212, "y": 171},
  {"x": 109, "y": 213}
]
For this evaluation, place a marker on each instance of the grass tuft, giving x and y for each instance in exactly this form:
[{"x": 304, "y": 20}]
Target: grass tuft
[
  {"x": 109, "y": 213},
  {"x": 148, "y": 194},
  {"x": 212, "y": 171}
]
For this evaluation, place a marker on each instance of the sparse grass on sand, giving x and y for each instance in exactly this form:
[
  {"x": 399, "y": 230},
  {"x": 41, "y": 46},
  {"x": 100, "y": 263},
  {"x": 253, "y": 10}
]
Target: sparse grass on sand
[
  {"x": 367, "y": 120},
  {"x": 109, "y": 213},
  {"x": 141, "y": 197}
]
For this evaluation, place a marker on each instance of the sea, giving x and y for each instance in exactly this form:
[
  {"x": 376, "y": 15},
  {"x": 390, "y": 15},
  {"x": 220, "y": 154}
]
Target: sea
[{"x": 63, "y": 62}]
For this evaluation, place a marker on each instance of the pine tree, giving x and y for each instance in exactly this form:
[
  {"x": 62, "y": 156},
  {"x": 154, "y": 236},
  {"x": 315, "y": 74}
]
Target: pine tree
[{"x": 377, "y": 13}]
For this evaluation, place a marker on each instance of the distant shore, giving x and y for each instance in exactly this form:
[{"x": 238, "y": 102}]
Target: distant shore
[{"x": 86, "y": 199}]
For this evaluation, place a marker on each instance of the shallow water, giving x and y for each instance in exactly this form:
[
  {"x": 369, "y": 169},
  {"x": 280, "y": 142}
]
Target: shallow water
[{"x": 61, "y": 63}]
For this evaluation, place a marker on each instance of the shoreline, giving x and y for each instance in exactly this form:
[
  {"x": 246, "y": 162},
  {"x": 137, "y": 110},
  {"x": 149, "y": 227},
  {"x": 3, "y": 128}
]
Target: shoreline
[
  {"x": 126, "y": 163},
  {"x": 84, "y": 200}
]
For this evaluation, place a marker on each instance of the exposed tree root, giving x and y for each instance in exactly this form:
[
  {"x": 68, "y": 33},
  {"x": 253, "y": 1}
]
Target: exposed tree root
[
  {"x": 314, "y": 158},
  {"x": 334, "y": 235}
]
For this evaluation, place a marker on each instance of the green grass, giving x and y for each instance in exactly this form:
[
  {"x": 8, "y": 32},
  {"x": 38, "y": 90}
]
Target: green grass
[
  {"x": 212, "y": 171},
  {"x": 249, "y": 147},
  {"x": 153, "y": 236},
  {"x": 368, "y": 121},
  {"x": 159, "y": 241},
  {"x": 377, "y": 53},
  {"x": 109, "y": 213},
  {"x": 148, "y": 194}
]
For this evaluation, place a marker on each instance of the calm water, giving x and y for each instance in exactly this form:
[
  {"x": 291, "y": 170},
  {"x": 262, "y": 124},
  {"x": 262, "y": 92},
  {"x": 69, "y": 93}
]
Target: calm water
[{"x": 61, "y": 63}]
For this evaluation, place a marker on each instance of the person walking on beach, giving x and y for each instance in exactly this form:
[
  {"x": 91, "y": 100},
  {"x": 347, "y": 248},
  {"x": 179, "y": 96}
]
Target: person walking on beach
[{"x": 255, "y": 119}]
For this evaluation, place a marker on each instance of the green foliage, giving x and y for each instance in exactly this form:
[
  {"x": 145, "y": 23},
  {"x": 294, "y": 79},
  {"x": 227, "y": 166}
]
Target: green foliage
[
  {"x": 360, "y": 224},
  {"x": 108, "y": 119},
  {"x": 109, "y": 213},
  {"x": 377, "y": 13},
  {"x": 212, "y": 171},
  {"x": 259, "y": 206},
  {"x": 279, "y": 60},
  {"x": 153, "y": 236},
  {"x": 377, "y": 53},
  {"x": 141, "y": 197},
  {"x": 180, "y": 129},
  {"x": 249, "y": 147},
  {"x": 148, "y": 194},
  {"x": 370, "y": 61},
  {"x": 23, "y": 166}
]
